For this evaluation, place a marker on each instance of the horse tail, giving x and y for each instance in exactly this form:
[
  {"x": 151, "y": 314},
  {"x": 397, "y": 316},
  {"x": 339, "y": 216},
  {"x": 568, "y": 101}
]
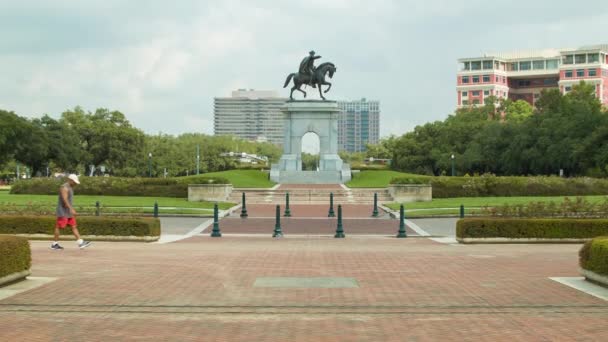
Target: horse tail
[{"x": 288, "y": 79}]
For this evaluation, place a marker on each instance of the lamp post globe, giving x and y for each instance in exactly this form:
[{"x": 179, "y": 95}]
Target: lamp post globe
[{"x": 150, "y": 164}]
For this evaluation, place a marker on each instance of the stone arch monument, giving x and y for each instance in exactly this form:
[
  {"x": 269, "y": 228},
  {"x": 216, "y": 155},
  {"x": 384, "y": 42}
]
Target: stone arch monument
[{"x": 301, "y": 117}]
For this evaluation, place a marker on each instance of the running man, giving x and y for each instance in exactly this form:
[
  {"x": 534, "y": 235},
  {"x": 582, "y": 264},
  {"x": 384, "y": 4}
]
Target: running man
[{"x": 66, "y": 215}]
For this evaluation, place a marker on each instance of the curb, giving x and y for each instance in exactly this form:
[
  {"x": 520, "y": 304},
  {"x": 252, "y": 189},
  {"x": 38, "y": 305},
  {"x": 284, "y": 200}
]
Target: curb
[
  {"x": 594, "y": 277},
  {"x": 14, "y": 277},
  {"x": 498, "y": 240},
  {"x": 114, "y": 238}
]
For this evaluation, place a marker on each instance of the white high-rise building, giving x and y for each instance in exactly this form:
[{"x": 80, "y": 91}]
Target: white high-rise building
[{"x": 250, "y": 114}]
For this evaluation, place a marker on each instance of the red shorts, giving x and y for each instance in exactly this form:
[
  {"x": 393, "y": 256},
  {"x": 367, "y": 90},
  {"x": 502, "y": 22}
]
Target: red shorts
[{"x": 65, "y": 221}]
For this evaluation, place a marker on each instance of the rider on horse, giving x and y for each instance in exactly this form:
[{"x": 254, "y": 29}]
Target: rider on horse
[{"x": 307, "y": 67}]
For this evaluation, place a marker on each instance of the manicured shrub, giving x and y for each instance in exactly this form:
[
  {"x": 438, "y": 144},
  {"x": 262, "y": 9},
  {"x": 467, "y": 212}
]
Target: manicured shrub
[
  {"x": 86, "y": 226},
  {"x": 492, "y": 186},
  {"x": 531, "y": 228},
  {"x": 593, "y": 256},
  {"x": 15, "y": 255},
  {"x": 578, "y": 207},
  {"x": 117, "y": 186}
]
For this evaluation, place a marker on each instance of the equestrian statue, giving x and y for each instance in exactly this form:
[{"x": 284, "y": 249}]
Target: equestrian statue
[{"x": 310, "y": 75}]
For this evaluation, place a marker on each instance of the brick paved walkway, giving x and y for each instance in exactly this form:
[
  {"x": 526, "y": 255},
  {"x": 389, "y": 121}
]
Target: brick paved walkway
[{"x": 201, "y": 289}]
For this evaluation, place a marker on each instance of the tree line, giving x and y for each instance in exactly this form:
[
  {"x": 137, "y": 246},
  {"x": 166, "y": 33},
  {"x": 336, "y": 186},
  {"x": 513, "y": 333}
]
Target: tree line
[
  {"x": 84, "y": 142},
  {"x": 563, "y": 132}
]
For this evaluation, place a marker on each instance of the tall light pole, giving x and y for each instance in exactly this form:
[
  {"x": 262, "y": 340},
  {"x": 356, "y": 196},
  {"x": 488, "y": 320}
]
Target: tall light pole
[
  {"x": 453, "y": 165},
  {"x": 150, "y": 164},
  {"x": 198, "y": 159}
]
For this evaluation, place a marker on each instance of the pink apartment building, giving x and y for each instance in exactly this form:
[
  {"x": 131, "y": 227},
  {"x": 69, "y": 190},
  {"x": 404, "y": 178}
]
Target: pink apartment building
[{"x": 523, "y": 75}]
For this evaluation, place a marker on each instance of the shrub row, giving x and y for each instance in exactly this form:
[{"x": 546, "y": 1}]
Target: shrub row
[
  {"x": 117, "y": 186},
  {"x": 531, "y": 228},
  {"x": 15, "y": 255},
  {"x": 490, "y": 186},
  {"x": 578, "y": 207},
  {"x": 594, "y": 256},
  {"x": 102, "y": 226}
]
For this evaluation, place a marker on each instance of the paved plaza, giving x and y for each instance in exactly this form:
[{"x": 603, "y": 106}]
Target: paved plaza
[{"x": 304, "y": 287}]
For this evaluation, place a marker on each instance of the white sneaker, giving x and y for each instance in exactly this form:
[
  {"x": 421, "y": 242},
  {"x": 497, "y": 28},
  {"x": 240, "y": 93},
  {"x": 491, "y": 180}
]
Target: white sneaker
[{"x": 84, "y": 244}]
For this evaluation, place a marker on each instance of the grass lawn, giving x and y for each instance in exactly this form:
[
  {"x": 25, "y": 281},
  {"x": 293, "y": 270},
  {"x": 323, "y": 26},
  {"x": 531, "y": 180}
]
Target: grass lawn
[
  {"x": 377, "y": 179},
  {"x": 245, "y": 178},
  {"x": 442, "y": 206},
  {"x": 112, "y": 204}
]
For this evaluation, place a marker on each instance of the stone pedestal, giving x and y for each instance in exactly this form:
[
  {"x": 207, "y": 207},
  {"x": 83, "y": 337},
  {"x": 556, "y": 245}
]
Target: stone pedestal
[{"x": 301, "y": 117}]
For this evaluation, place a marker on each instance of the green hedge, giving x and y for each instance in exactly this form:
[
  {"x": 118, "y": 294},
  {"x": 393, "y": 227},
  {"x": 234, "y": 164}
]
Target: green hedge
[
  {"x": 531, "y": 228},
  {"x": 86, "y": 226},
  {"x": 492, "y": 186},
  {"x": 594, "y": 256},
  {"x": 117, "y": 186},
  {"x": 15, "y": 255}
]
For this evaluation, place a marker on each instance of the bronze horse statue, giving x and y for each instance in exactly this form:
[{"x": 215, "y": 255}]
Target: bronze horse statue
[{"x": 318, "y": 79}]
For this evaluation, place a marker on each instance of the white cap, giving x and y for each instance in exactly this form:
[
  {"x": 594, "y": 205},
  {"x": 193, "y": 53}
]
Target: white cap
[{"x": 74, "y": 178}]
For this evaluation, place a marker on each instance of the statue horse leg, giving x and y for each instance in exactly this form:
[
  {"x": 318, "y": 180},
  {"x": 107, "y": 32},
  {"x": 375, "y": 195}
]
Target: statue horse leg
[{"x": 320, "y": 91}]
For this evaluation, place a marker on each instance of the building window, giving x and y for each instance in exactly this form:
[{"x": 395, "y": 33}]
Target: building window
[
  {"x": 486, "y": 93},
  {"x": 580, "y": 59},
  {"x": 592, "y": 72},
  {"x": 496, "y": 65},
  {"x": 580, "y": 73},
  {"x": 569, "y": 59},
  {"x": 524, "y": 83},
  {"x": 467, "y": 66},
  {"x": 475, "y": 79},
  {"x": 476, "y": 101},
  {"x": 527, "y": 65},
  {"x": 513, "y": 66},
  {"x": 539, "y": 65},
  {"x": 593, "y": 58},
  {"x": 550, "y": 81},
  {"x": 552, "y": 63},
  {"x": 486, "y": 78},
  {"x": 465, "y": 94},
  {"x": 567, "y": 89},
  {"x": 465, "y": 79},
  {"x": 475, "y": 93},
  {"x": 465, "y": 102},
  {"x": 487, "y": 65},
  {"x": 476, "y": 65},
  {"x": 568, "y": 74}
]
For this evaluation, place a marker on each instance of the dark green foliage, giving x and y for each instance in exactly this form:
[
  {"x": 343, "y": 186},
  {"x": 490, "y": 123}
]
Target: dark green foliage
[
  {"x": 86, "y": 226},
  {"x": 15, "y": 255},
  {"x": 567, "y": 132},
  {"x": 117, "y": 186},
  {"x": 593, "y": 256},
  {"x": 492, "y": 186},
  {"x": 578, "y": 207},
  {"x": 531, "y": 228}
]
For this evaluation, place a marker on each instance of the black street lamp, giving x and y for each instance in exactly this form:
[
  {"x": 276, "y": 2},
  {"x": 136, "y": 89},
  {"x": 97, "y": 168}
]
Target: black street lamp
[
  {"x": 150, "y": 164},
  {"x": 453, "y": 165}
]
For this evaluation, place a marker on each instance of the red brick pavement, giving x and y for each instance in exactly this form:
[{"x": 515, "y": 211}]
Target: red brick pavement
[
  {"x": 323, "y": 226},
  {"x": 200, "y": 289},
  {"x": 312, "y": 210}
]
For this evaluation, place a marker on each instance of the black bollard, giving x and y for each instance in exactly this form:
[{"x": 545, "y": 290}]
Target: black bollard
[
  {"x": 244, "y": 208},
  {"x": 461, "y": 211},
  {"x": 216, "y": 224},
  {"x": 375, "y": 213},
  {"x": 331, "y": 205},
  {"x": 97, "y": 210},
  {"x": 402, "y": 233},
  {"x": 339, "y": 228},
  {"x": 287, "y": 210},
  {"x": 277, "y": 226},
  {"x": 155, "y": 209}
]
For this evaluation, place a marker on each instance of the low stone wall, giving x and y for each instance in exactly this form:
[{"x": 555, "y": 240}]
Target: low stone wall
[
  {"x": 209, "y": 192},
  {"x": 404, "y": 193},
  {"x": 595, "y": 277}
]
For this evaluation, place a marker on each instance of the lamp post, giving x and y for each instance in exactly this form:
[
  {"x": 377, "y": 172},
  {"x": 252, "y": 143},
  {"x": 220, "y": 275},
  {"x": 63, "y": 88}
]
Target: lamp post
[
  {"x": 198, "y": 159},
  {"x": 150, "y": 164},
  {"x": 453, "y": 165}
]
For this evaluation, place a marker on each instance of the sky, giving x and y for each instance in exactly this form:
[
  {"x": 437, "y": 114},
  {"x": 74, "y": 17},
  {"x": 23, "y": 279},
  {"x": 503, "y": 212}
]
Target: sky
[{"x": 161, "y": 63}]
